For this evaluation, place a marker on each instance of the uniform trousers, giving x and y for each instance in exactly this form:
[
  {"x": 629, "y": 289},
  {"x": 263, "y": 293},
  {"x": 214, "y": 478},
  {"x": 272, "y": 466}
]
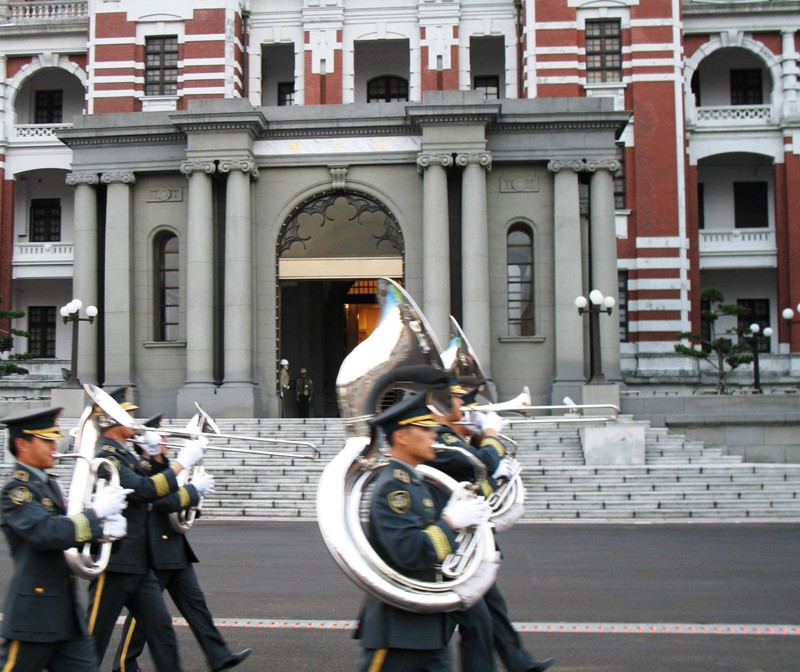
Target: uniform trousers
[
  {"x": 184, "y": 589},
  {"x": 141, "y": 594},
  {"x": 405, "y": 660},
  {"x": 506, "y": 639},
  {"x": 69, "y": 655},
  {"x": 476, "y": 644}
]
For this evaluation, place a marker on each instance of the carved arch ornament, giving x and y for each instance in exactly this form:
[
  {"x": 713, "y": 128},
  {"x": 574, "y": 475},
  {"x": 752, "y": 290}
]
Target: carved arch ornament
[{"x": 342, "y": 209}]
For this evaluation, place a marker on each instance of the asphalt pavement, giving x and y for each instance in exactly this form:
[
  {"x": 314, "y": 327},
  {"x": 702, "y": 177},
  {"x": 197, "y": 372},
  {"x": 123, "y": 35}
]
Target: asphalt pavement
[{"x": 628, "y": 597}]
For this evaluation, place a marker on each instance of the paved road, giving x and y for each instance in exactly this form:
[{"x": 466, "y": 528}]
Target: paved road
[{"x": 633, "y": 598}]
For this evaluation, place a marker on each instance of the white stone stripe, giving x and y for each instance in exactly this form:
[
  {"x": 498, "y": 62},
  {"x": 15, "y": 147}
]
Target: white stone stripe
[
  {"x": 661, "y": 262},
  {"x": 651, "y": 242},
  {"x": 657, "y": 304},
  {"x": 575, "y": 25},
  {"x": 645, "y": 284},
  {"x": 672, "y": 326}
]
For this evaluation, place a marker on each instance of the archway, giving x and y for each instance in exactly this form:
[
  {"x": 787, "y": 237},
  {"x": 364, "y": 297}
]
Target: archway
[{"x": 331, "y": 250}]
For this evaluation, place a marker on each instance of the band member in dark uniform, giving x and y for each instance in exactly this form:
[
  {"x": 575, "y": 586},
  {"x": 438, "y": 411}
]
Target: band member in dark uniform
[
  {"x": 477, "y": 650},
  {"x": 413, "y": 535},
  {"x": 128, "y": 581},
  {"x": 171, "y": 557},
  {"x": 43, "y": 621}
]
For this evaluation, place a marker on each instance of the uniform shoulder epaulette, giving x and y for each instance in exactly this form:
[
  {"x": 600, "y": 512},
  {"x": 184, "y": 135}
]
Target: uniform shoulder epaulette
[
  {"x": 401, "y": 475},
  {"x": 21, "y": 475},
  {"x": 451, "y": 438}
]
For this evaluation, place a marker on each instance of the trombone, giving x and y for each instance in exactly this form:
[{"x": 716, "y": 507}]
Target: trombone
[
  {"x": 522, "y": 404},
  {"x": 113, "y": 410}
]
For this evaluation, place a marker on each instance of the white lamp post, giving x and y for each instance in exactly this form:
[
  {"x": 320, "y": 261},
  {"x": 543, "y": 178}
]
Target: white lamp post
[
  {"x": 72, "y": 313},
  {"x": 594, "y": 305}
]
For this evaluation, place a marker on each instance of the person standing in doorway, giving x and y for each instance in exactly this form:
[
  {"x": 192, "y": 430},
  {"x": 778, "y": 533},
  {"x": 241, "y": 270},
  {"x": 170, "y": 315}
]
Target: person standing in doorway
[
  {"x": 285, "y": 384},
  {"x": 304, "y": 390}
]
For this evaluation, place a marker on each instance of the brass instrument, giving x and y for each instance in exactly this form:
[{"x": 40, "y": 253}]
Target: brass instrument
[
  {"x": 401, "y": 353},
  {"x": 89, "y": 560},
  {"x": 113, "y": 410}
]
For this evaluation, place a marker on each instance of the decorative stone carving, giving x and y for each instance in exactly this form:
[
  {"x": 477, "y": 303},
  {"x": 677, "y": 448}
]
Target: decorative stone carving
[
  {"x": 481, "y": 158},
  {"x": 338, "y": 177},
  {"x": 118, "y": 177},
  {"x": 188, "y": 167},
  {"x": 74, "y": 179},
  {"x": 611, "y": 165},
  {"x": 245, "y": 165},
  {"x": 567, "y": 164},
  {"x": 425, "y": 160}
]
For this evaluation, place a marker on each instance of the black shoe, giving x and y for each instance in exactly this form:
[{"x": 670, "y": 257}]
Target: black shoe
[
  {"x": 542, "y": 665},
  {"x": 234, "y": 659}
]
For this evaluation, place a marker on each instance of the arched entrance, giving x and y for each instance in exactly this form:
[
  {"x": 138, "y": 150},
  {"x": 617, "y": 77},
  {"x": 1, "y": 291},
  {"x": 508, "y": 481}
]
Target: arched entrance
[{"x": 331, "y": 249}]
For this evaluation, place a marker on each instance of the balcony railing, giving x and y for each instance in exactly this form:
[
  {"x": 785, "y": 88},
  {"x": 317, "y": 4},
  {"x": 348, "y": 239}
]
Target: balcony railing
[
  {"x": 735, "y": 115},
  {"x": 43, "y": 254},
  {"x": 38, "y": 132},
  {"x": 46, "y": 10},
  {"x": 737, "y": 242}
]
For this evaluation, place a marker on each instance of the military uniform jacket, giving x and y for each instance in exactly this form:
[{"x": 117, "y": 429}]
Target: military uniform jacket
[
  {"x": 131, "y": 553},
  {"x": 407, "y": 531},
  {"x": 456, "y": 465},
  {"x": 42, "y": 601},
  {"x": 170, "y": 549}
]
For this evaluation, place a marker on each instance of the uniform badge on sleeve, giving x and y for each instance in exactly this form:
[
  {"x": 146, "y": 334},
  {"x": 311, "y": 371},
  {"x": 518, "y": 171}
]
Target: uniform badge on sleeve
[
  {"x": 47, "y": 502},
  {"x": 451, "y": 439},
  {"x": 399, "y": 501},
  {"x": 20, "y": 495},
  {"x": 402, "y": 476},
  {"x": 21, "y": 475}
]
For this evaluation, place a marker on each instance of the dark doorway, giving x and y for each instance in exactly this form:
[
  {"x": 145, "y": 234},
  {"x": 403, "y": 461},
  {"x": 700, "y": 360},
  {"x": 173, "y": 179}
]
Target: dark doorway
[{"x": 321, "y": 321}]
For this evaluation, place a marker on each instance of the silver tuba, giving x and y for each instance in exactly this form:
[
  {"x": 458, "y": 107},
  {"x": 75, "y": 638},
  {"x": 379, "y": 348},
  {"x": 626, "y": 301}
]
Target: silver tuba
[
  {"x": 401, "y": 353},
  {"x": 89, "y": 560},
  {"x": 508, "y": 500},
  {"x": 182, "y": 521}
]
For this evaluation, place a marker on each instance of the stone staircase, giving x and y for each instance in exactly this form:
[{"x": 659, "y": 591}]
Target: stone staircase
[{"x": 681, "y": 480}]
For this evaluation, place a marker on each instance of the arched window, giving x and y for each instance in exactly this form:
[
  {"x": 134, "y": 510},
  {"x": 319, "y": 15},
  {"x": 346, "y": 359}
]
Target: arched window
[
  {"x": 519, "y": 278},
  {"x": 167, "y": 288},
  {"x": 387, "y": 89}
]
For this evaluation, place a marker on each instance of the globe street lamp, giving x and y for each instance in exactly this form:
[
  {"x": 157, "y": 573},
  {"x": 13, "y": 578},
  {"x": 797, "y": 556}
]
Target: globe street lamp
[
  {"x": 788, "y": 315},
  {"x": 72, "y": 313},
  {"x": 594, "y": 305},
  {"x": 754, "y": 339}
]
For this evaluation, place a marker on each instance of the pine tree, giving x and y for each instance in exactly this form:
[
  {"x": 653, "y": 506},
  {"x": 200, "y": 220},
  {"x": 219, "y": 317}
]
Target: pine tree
[{"x": 7, "y": 334}]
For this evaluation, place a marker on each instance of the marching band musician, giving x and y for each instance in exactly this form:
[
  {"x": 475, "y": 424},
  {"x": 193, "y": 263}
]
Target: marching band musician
[
  {"x": 127, "y": 581},
  {"x": 413, "y": 535},
  {"x": 172, "y": 560},
  {"x": 43, "y": 622},
  {"x": 477, "y": 650}
]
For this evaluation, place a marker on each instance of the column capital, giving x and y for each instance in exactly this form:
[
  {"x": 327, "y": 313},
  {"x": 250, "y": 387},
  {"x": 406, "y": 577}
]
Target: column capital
[
  {"x": 74, "y": 179},
  {"x": 611, "y": 165},
  {"x": 425, "y": 159},
  {"x": 118, "y": 177},
  {"x": 480, "y": 158},
  {"x": 576, "y": 165},
  {"x": 245, "y": 165},
  {"x": 188, "y": 167}
]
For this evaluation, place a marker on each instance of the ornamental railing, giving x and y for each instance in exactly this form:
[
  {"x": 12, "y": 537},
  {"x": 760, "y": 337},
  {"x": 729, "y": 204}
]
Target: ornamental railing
[
  {"x": 38, "y": 132},
  {"x": 737, "y": 242},
  {"x": 45, "y": 10},
  {"x": 42, "y": 254},
  {"x": 734, "y": 115}
]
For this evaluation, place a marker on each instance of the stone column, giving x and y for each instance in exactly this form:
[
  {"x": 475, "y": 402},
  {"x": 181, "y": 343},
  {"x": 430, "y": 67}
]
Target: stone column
[
  {"x": 199, "y": 282},
  {"x": 604, "y": 258},
  {"x": 436, "y": 244},
  {"x": 85, "y": 269},
  {"x": 568, "y": 264},
  {"x": 790, "y": 74},
  {"x": 238, "y": 338},
  {"x": 118, "y": 305},
  {"x": 475, "y": 256}
]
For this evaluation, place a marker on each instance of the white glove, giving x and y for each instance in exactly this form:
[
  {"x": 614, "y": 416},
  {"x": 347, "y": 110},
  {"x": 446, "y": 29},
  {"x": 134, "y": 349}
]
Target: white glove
[
  {"x": 116, "y": 526},
  {"x": 203, "y": 483},
  {"x": 191, "y": 453},
  {"x": 504, "y": 470},
  {"x": 460, "y": 513},
  {"x": 151, "y": 443},
  {"x": 489, "y": 421},
  {"x": 110, "y": 500}
]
